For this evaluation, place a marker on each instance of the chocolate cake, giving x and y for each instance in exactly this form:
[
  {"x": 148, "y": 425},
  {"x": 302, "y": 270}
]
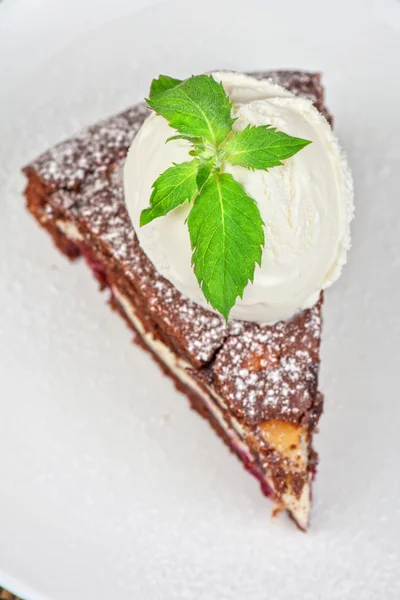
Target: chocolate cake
[{"x": 256, "y": 385}]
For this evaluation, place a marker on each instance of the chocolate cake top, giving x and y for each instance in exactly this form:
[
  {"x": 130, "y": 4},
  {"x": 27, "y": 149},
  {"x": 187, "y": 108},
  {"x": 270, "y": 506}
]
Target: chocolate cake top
[
  {"x": 271, "y": 372},
  {"x": 263, "y": 372}
]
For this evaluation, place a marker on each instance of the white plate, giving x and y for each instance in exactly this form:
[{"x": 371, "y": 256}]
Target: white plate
[{"x": 109, "y": 486}]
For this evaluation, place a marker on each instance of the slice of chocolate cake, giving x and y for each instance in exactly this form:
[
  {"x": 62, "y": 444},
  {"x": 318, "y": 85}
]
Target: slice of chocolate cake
[{"x": 256, "y": 385}]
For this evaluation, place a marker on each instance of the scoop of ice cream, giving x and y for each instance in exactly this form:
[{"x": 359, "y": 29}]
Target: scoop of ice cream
[{"x": 306, "y": 204}]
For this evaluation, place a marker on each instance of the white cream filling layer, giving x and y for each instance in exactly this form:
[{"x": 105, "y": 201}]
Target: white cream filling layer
[
  {"x": 70, "y": 230},
  {"x": 299, "y": 507}
]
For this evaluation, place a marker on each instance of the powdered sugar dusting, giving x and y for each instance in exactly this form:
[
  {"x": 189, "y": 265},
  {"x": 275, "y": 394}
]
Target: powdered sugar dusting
[
  {"x": 94, "y": 149},
  {"x": 271, "y": 371}
]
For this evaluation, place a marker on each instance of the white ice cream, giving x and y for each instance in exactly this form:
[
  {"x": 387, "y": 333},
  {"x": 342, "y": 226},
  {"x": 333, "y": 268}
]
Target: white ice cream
[{"x": 306, "y": 205}]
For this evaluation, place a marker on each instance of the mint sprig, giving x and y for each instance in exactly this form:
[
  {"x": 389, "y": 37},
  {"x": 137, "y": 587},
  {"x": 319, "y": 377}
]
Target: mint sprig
[{"x": 225, "y": 225}]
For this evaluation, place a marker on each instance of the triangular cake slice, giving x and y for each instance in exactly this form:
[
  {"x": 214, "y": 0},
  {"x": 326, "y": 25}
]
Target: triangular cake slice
[{"x": 256, "y": 385}]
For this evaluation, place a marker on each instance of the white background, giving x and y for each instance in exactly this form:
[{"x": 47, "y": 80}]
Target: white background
[{"x": 109, "y": 486}]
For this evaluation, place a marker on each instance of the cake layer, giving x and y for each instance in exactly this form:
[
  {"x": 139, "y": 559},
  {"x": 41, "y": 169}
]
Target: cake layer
[
  {"x": 202, "y": 396},
  {"x": 256, "y": 384}
]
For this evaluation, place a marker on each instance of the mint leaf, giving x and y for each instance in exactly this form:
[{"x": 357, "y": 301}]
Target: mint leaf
[
  {"x": 198, "y": 150},
  {"x": 171, "y": 189},
  {"x": 261, "y": 147},
  {"x": 204, "y": 172},
  {"x": 181, "y": 136},
  {"x": 162, "y": 84},
  {"x": 197, "y": 107},
  {"x": 226, "y": 234}
]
